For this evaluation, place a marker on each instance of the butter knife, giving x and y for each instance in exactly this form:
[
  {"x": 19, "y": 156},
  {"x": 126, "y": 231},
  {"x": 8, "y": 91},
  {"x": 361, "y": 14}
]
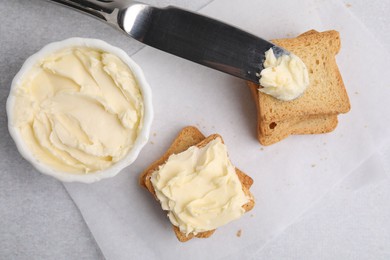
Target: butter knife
[{"x": 186, "y": 34}]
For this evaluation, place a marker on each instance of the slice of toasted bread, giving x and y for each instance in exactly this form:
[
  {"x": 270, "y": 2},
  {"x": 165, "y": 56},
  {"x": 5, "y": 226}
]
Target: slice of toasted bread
[
  {"x": 188, "y": 137},
  {"x": 272, "y": 132},
  {"x": 319, "y": 125},
  {"x": 316, "y": 111},
  {"x": 326, "y": 93},
  {"x": 313, "y": 124}
]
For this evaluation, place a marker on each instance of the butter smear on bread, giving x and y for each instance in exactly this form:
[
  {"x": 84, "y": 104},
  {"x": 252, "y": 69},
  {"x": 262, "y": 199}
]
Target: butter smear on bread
[
  {"x": 200, "y": 188},
  {"x": 285, "y": 77},
  {"x": 79, "y": 110}
]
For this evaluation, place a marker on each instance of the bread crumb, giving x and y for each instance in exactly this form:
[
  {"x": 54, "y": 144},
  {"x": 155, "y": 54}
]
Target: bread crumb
[
  {"x": 154, "y": 134},
  {"x": 238, "y": 234},
  {"x": 151, "y": 142},
  {"x": 313, "y": 165},
  {"x": 348, "y": 5},
  {"x": 262, "y": 149}
]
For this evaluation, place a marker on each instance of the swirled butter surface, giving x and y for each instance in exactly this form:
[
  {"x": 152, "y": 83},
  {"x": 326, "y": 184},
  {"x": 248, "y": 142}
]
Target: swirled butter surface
[
  {"x": 200, "y": 188},
  {"x": 285, "y": 77},
  {"x": 79, "y": 110}
]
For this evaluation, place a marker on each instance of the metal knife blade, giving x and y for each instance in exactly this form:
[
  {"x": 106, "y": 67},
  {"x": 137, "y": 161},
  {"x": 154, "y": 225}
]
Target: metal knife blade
[{"x": 188, "y": 35}]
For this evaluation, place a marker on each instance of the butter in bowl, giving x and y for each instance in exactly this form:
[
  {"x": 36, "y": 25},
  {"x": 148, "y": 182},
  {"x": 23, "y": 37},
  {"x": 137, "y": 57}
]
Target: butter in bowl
[{"x": 80, "y": 110}]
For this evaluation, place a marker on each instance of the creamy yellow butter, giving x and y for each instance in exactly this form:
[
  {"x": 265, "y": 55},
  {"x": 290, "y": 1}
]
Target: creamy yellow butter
[
  {"x": 200, "y": 188},
  {"x": 285, "y": 77},
  {"x": 79, "y": 110}
]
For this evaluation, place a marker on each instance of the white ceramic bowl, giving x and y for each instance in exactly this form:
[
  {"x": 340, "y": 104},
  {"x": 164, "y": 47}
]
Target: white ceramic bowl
[{"x": 143, "y": 134}]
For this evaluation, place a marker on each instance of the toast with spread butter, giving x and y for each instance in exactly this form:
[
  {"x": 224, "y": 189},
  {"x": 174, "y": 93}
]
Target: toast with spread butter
[
  {"x": 191, "y": 136},
  {"x": 317, "y": 109}
]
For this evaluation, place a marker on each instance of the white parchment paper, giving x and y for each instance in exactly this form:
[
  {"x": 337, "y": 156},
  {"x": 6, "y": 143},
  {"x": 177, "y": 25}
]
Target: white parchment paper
[{"x": 289, "y": 177}]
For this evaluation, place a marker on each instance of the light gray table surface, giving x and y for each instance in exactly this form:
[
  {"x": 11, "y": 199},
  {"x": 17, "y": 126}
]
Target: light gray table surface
[{"x": 38, "y": 220}]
